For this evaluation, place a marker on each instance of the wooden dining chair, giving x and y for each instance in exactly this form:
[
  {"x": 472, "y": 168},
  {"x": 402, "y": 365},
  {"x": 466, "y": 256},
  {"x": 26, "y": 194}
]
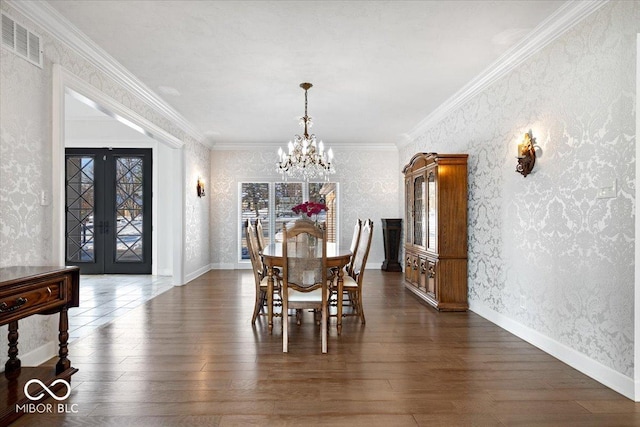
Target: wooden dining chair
[
  {"x": 259, "y": 272},
  {"x": 333, "y": 288},
  {"x": 355, "y": 239},
  {"x": 353, "y": 282},
  {"x": 304, "y": 277},
  {"x": 260, "y": 234}
]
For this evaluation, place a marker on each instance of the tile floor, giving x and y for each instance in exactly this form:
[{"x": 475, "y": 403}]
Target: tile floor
[{"x": 103, "y": 298}]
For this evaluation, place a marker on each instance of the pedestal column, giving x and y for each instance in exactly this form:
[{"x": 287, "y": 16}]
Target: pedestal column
[{"x": 392, "y": 234}]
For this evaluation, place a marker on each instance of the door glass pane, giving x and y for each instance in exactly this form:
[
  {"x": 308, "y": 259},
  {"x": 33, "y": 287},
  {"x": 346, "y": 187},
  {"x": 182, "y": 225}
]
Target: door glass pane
[
  {"x": 254, "y": 204},
  {"x": 287, "y": 195},
  {"x": 325, "y": 192},
  {"x": 80, "y": 209},
  {"x": 129, "y": 209}
]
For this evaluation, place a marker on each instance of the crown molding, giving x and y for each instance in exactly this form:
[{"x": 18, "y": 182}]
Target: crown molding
[
  {"x": 91, "y": 95},
  {"x": 253, "y": 146},
  {"x": 102, "y": 142},
  {"x": 563, "y": 19},
  {"x": 59, "y": 27}
]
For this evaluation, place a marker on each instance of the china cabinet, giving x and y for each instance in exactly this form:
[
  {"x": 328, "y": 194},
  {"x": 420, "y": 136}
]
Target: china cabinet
[{"x": 435, "y": 259}]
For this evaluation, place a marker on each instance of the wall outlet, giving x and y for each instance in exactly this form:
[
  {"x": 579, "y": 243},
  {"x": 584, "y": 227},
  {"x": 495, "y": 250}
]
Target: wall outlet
[{"x": 608, "y": 191}]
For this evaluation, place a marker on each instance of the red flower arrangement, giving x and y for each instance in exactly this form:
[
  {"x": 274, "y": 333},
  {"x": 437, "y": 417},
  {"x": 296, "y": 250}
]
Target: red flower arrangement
[{"x": 309, "y": 208}]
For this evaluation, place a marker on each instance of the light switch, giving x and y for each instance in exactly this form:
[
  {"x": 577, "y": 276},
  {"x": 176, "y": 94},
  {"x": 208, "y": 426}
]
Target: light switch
[
  {"x": 44, "y": 198},
  {"x": 607, "y": 192}
]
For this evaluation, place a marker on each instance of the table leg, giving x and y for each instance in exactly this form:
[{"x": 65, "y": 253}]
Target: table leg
[
  {"x": 63, "y": 336},
  {"x": 270, "y": 297},
  {"x": 340, "y": 290},
  {"x": 13, "y": 364}
]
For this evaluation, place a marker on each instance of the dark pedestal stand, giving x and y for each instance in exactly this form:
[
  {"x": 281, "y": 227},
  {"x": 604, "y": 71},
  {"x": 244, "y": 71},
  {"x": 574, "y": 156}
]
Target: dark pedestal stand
[{"x": 392, "y": 234}]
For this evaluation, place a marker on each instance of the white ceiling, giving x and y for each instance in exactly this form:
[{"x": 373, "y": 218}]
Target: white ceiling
[{"x": 378, "y": 67}]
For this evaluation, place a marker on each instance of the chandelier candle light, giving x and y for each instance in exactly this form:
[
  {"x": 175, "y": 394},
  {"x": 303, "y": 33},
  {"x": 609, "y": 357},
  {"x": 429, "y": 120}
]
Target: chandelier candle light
[{"x": 305, "y": 159}]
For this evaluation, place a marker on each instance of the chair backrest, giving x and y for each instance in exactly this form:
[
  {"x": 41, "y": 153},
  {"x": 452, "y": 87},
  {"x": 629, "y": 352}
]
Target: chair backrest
[
  {"x": 354, "y": 244},
  {"x": 254, "y": 253},
  {"x": 362, "y": 252},
  {"x": 304, "y": 248},
  {"x": 260, "y": 234}
]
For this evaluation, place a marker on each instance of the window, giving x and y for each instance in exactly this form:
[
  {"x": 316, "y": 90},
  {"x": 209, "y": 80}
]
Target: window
[
  {"x": 287, "y": 195},
  {"x": 254, "y": 204},
  {"x": 272, "y": 203}
]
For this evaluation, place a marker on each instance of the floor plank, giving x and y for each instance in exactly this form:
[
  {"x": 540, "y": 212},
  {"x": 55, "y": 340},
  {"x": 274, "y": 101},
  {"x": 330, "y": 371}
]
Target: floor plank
[{"x": 190, "y": 356}]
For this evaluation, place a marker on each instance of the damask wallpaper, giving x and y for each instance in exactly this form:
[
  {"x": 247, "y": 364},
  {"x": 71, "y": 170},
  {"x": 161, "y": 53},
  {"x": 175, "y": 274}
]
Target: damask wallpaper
[
  {"x": 545, "y": 242},
  {"x": 544, "y": 251},
  {"x": 26, "y": 165},
  {"x": 197, "y": 258},
  {"x": 368, "y": 188}
]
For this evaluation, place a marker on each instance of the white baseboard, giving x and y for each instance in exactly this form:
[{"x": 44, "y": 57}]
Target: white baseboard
[
  {"x": 164, "y": 272},
  {"x": 223, "y": 266},
  {"x": 374, "y": 263},
  {"x": 199, "y": 272},
  {"x": 596, "y": 370},
  {"x": 39, "y": 355}
]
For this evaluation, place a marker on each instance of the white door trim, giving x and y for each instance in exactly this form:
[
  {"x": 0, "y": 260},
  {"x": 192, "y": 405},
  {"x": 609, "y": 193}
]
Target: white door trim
[{"x": 66, "y": 82}]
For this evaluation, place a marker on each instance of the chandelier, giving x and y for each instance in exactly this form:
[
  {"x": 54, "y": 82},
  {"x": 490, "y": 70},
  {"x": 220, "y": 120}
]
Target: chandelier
[{"x": 305, "y": 158}]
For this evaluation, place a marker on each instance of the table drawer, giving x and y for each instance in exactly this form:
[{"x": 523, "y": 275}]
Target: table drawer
[{"x": 32, "y": 298}]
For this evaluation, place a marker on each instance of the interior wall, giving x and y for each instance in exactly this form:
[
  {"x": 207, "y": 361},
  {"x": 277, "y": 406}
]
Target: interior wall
[
  {"x": 637, "y": 235},
  {"x": 368, "y": 188},
  {"x": 197, "y": 245},
  {"x": 164, "y": 213},
  {"x": 547, "y": 257},
  {"x": 26, "y": 233}
]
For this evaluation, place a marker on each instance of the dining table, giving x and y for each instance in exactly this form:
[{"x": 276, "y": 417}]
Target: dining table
[{"x": 337, "y": 258}]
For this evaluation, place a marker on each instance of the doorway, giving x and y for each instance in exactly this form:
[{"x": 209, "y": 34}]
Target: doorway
[{"x": 108, "y": 210}]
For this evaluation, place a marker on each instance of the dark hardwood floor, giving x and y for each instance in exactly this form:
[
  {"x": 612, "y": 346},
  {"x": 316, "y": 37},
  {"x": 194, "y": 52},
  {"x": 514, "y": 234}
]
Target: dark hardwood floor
[{"x": 191, "y": 357}]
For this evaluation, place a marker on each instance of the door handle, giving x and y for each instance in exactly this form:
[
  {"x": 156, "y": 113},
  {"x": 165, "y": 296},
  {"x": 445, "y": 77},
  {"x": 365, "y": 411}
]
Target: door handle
[{"x": 103, "y": 227}]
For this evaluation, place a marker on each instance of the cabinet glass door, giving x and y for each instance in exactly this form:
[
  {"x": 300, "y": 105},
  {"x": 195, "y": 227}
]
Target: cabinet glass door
[
  {"x": 408, "y": 209},
  {"x": 431, "y": 211},
  {"x": 419, "y": 223}
]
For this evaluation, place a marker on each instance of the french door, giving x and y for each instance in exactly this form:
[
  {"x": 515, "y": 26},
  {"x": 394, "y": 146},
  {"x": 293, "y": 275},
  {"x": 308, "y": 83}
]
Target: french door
[{"x": 108, "y": 210}]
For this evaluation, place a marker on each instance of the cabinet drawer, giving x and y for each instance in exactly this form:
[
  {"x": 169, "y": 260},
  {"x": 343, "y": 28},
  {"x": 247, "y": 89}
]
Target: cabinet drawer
[{"x": 32, "y": 298}]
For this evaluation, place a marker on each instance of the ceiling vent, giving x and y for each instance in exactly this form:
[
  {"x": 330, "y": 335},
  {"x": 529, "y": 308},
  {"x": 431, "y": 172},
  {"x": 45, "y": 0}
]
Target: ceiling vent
[{"x": 20, "y": 40}]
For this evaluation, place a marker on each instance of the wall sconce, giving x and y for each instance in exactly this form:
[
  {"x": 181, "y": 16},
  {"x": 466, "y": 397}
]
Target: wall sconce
[
  {"x": 526, "y": 155},
  {"x": 200, "y": 187}
]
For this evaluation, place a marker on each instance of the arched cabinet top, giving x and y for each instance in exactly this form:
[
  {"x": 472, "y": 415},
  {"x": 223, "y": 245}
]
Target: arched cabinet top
[{"x": 421, "y": 160}]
